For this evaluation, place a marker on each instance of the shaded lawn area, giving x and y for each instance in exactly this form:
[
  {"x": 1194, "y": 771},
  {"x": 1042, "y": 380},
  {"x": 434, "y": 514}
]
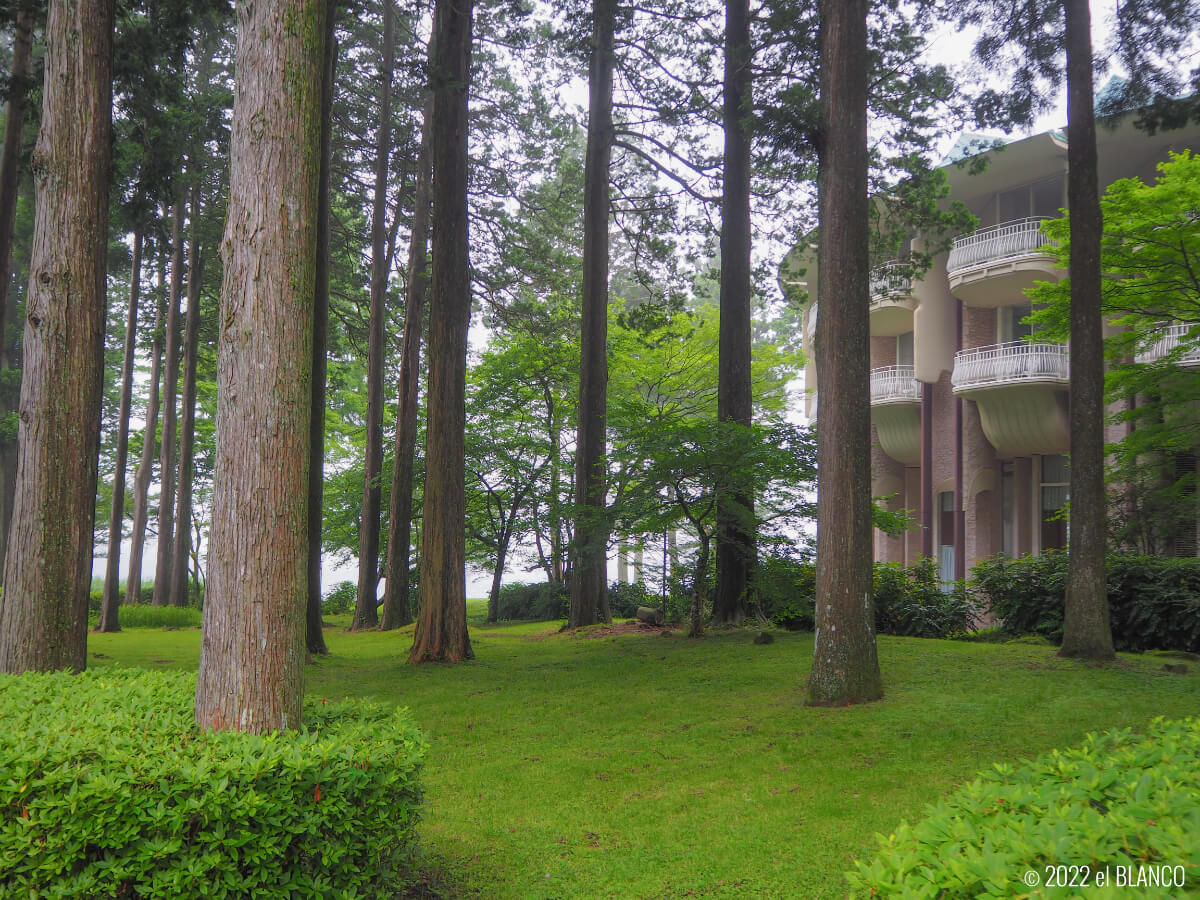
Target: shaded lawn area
[{"x": 650, "y": 766}]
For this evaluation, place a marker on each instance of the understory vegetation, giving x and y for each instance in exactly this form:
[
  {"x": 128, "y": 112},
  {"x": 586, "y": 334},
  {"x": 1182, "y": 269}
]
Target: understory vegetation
[{"x": 631, "y": 765}]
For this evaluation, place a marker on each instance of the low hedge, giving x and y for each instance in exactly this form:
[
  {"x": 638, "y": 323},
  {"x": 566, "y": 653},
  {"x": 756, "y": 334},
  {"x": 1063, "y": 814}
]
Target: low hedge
[
  {"x": 108, "y": 789},
  {"x": 1154, "y": 602},
  {"x": 539, "y": 602},
  {"x": 1120, "y": 806}
]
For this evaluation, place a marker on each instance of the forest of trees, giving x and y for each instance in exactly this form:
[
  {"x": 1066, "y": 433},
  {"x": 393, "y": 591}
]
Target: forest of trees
[{"x": 427, "y": 284}]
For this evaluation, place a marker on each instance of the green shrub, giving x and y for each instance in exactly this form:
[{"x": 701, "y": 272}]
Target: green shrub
[
  {"x": 341, "y": 599},
  {"x": 110, "y": 790},
  {"x": 1154, "y": 602},
  {"x": 910, "y": 602},
  {"x": 541, "y": 602},
  {"x": 143, "y": 616},
  {"x": 1118, "y": 800},
  {"x": 786, "y": 588},
  {"x": 624, "y": 599}
]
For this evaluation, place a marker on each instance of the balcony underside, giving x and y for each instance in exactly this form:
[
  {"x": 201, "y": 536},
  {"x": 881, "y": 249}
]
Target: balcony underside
[
  {"x": 1023, "y": 419},
  {"x": 899, "y": 427},
  {"x": 1002, "y": 282},
  {"x": 892, "y": 316}
]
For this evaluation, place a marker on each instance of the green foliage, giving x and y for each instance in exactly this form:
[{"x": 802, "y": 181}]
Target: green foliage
[
  {"x": 786, "y": 588},
  {"x": 110, "y": 789},
  {"x": 1119, "y": 799},
  {"x": 624, "y": 599},
  {"x": 541, "y": 602},
  {"x": 1154, "y": 602},
  {"x": 146, "y": 616},
  {"x": 340, "y": 599}
]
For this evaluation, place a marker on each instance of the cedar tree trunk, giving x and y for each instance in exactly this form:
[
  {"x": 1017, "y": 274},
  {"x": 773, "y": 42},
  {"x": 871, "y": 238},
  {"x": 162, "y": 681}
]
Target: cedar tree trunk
[
  {"x": 14, "y": 128},
  {"x": 397, "y": 606},
  {"x": 845, "y": 665},
  {"x": 736, "y": 542},
  {"x": 166, "y": 450},
  {"x": 366, "y": 613},
  {"x": 441, "y": 633},
  {"x": 589, "y": 571},
  {"x": 1086, "y": 630},
  {"x": 252, "y": 650},
  {"x": 109, "y": 605},
  {"x": 314, "y": 629},
  {"x": 145, "y": 469},
  {"x": 47, "y": 574}
]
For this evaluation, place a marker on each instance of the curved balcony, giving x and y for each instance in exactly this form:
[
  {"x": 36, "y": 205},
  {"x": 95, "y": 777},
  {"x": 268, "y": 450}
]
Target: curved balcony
[
  {"x": 896, "y": 412},
  {"x": 1170, "y": 337},
  {"x": 1021, "y": 392},
  {"x": 892, "y": 302},
  {"x": 989, "y": 267}
]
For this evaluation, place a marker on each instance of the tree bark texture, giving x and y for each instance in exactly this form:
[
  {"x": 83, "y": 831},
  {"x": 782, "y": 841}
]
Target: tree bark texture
[
  {"x": 1086, "y": 630},
  {"x": 10, "y": 169},
  {"x": 111, "y": 601},
  {"x": 397, "y": 605},
  {"x": 589, "y": 571},
  {"x": 845, "y": 666},
  {"x": 736, "y": 543},
  {"x": 252, "y": 649},
  {"x": 365, "y": 613},
  {"x": 145, "y": 469},
  {"x": 441, "y": 633},
  {"x": 314, "y": 629},
  {"x": 166, "y": 450},
  {"x": 181, "y": 547},
  {"x": 47, "y": 576}
]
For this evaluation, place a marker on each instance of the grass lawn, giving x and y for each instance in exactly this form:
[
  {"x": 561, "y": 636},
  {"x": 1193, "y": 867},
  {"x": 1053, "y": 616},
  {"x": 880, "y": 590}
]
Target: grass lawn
[{"x": 648, "y": 766}]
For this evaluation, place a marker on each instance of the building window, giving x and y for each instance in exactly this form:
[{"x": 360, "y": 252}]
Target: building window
[
  {"x": 1008, "y": 499},
  {"x": 946, "y": 538},
  {"x": 1041, "y": 198},
  {"x": 1056, "y": 484},
  {"x": 904, "y": 349},
  {"x": 1009, "y": 326}
]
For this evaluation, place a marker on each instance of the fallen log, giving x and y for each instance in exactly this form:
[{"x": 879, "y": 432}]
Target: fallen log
[{"x": 650, "y": 615}]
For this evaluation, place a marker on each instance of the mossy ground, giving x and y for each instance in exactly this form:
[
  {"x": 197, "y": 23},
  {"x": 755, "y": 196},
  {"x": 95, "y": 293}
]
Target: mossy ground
[{"x": 644, "y": 766}]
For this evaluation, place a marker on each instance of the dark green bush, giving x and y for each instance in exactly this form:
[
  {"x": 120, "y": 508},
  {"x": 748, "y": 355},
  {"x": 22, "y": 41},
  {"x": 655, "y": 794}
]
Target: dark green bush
[
  {"x": 910, "y": 602},
  {"x": 108, "y": 789},
  {"x": 145, "y": 616},
  {"x": 341, "y": 599},
  {"x": 624, "y": 599},
  {"x": 1154, "y": 601},
  {"x": 786, "y": 588},
  {"x": 541, "y": 602},
  {"x": 1119, "y": 800}
]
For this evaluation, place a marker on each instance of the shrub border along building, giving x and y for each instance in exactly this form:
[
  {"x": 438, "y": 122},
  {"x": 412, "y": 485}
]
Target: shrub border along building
[
  {"x": 1118, "y": 811},
  {"x": 108, "y": 789}
]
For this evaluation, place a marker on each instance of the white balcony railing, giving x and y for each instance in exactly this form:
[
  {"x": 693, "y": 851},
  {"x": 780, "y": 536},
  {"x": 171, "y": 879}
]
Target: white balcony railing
[
  {"x": 1169, "y": 338},
  {"x": 894, "y": 384},
  {"x": 888, "y": 281},
  {"x": 1022, "y": 237},
  {"x": 1016, "y": 362}
]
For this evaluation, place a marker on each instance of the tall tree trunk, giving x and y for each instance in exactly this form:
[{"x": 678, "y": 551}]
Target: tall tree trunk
[
  {"x": 10, "y": 169},
  {"x": 109, "y": 605},
  {"x": 365, "y": 612},
  {"x": 1086, "y": 630},
  {"x": 397, "y": 606},
  {"x": 441, "y": 633},
  {"x": 589, "y": 570},
  {"x": 845, "y": 665},
  {"x": 700, "y": 587},
  {"x": 252, "y": 652},
  {"x": 145, "y": 469},
  {"x": 314, "y": 629},
  {"x": 181, "y": 547},
  {"x": 493, "y": 612},
  {"x": 736, "y": 543},
  {"x": 47, "y": 575},
  {"x": 166, "y": 450}
]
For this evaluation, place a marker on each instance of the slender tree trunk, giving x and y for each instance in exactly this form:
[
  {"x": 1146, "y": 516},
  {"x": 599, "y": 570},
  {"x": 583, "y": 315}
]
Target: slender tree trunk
[
  {"x": 441, "y": 633},
  {"x": 166, "y": 450},
  {"x": 1086, "y": 630},
  {"x": 589, "y": 570},
  {"x": 700, "y": 588},
  {"x": 845, "y": 663},
  {"x": 10, "y": 169},
  {"x": 181, "y": 547},
  {"x": 365, "y": 612},
  {"x": 252, "y": 652},
  {"x": 736, "y": 541},
  {"x": 47, "y": 576},
  {"x": 314, "y": 630},
  {"x": 493, "y": 613},
  {"x": 110, "y": 604},
  {"x": 397, "y": 606},
  {"x": 145, "y": 469}
]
